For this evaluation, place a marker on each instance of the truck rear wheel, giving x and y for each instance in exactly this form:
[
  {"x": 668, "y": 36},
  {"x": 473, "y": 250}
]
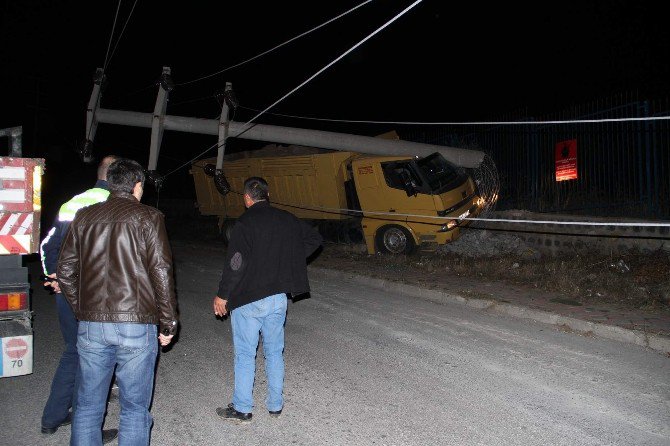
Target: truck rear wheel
[{"x": 394, "y": 239}]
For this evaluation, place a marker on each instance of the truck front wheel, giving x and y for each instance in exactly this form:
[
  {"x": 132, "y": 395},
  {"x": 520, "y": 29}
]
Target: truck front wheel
[{"x": 394, "y": 239}]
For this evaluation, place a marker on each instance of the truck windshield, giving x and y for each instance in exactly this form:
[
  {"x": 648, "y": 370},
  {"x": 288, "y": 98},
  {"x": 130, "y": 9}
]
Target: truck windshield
[
  {"x": 439, "y": 173},
  {"x": 400, "y": 175}
]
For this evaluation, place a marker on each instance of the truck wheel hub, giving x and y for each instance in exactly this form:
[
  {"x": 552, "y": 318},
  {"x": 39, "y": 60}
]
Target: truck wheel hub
[{"x": 395, "y": 240}]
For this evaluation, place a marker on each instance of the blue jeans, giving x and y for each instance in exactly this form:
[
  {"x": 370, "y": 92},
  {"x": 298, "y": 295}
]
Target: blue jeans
[
  {"x": 133, "y": 349},
  {"x": 64, "y": 383},
  {"x": 266, "y": 316}
]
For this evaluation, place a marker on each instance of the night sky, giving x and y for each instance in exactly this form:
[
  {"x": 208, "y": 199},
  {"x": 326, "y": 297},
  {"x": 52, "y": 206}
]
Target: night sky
[{"x": 441, "y": 61}]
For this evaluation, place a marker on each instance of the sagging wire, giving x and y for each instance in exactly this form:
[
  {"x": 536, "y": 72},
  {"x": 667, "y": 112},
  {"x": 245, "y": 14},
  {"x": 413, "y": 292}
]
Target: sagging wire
[
  {"x": 122, "y": 30},
  {"x": 85, "y": 151},
  {"x": 574, "y": 121},
  {"x": 248, "y": 125},
  {"x": 109, "y": 45},
  {"x": 403, "y": 12},
  {"x": 274, "y": 48},
  {"x": 413, "y": 218}
]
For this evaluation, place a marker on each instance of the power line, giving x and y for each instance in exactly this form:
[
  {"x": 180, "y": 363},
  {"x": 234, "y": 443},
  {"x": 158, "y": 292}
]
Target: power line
[
  {"x": 122, "y": 30},
  {"x": 333, "y": 62},
  {"x": 274, "y": 48},
  {"x": 246, "y": 127},
  {"x": 393, "y": 216},
  {"x": 573, "y": 121},
  {"x": 104, "y": 67}
]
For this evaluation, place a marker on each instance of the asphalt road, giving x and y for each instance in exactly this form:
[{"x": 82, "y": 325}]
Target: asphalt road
[{"x": 367, "y": 367}]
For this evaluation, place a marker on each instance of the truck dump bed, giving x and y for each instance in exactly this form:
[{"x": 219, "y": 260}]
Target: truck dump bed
[{"x": 299, "y": 184}]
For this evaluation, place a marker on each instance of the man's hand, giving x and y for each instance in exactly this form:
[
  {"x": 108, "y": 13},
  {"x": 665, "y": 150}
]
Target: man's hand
[
  {"x": 220, "y": 306},
  {"x": 165, "y": 340},
  {"x": 53, "y": 284}
]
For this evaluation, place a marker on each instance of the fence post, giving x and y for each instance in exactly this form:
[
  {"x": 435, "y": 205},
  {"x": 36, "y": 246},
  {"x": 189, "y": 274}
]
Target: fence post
[{"x": 647, "y": 146}]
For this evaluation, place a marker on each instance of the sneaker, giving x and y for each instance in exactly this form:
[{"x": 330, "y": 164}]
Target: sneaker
[
  {"x": 109, "y": 435},
  {"x": 230, "y": 414},
  {"x": 52, "y": 430},
  {"x": 275, "y": 413}
]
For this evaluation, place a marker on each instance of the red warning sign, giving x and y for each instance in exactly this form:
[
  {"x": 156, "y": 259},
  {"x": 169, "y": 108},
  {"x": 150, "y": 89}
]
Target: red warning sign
[
  {"x": 566, "y": 160},
  {"x": 16, "y": 348}
]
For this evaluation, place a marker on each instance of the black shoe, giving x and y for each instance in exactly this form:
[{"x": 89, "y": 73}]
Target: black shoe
[
  {"x": 275, "y": 413},
  {"x": 52, "y": 430},
  {"x": 109, "y": 435},
  {"x": 230, "y": 414}
]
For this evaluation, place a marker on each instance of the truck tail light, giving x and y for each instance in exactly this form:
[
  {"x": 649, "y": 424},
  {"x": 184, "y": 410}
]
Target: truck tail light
[{"x": 13, "y": 301}]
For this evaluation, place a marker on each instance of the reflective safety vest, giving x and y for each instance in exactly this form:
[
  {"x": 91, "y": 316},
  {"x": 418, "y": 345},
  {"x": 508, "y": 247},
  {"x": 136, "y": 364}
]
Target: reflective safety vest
[{"x": 50, "y": 246}]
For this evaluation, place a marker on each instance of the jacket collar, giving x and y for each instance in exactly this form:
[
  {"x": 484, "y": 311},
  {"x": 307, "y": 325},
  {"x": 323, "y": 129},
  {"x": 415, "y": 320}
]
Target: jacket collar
[
  {"x": 101, "y": 184},
  {"x": 126, "y": 195},
  {"x": 260, "y": 204}
]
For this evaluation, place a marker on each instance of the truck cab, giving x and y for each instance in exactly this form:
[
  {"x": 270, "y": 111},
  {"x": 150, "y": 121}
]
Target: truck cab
[{"x": 431, "y": 196}]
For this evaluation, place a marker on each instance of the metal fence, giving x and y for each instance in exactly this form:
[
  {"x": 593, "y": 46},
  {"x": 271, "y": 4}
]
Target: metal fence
[{"x": 623, "y": 168}]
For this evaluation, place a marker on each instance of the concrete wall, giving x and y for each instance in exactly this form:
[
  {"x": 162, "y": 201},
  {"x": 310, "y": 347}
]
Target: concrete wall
[{"x": 555, "y": 238}]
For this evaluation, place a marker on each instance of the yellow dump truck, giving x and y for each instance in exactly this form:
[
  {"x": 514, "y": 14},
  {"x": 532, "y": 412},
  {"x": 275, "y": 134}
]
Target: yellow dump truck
[{"x": 395, "y": 203}]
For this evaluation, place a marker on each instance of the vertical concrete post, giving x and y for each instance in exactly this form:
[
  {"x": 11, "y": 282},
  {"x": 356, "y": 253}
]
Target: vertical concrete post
[
  {"x": 158, "y": 121},
  {"x": 93, "y": 104},
  {"x": 223, "y": 127}
]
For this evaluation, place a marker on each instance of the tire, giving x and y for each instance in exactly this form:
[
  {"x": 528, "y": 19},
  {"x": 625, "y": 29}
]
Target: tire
[
  {"x": 394, "y": 239},
  {"x": 227, "y": 230}
]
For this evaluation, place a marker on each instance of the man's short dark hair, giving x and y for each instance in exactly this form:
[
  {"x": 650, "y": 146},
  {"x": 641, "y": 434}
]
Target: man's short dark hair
[
  {"x": 123, "y": 174},
  {"x": 256, "y": 188}
]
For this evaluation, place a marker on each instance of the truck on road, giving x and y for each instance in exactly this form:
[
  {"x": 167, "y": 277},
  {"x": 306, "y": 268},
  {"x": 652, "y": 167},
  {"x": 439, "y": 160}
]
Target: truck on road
[
  {"x": 20, "y": 205},
  {"x": 394, "y": 203}
]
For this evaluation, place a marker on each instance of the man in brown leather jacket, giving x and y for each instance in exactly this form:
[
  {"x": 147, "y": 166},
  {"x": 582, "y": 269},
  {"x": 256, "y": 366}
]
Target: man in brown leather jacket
[{"x": 115, "y": 269}]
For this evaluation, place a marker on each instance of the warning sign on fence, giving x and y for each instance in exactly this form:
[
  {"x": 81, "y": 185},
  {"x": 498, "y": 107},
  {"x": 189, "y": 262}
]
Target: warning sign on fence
[{"x": 566, "y": 160}]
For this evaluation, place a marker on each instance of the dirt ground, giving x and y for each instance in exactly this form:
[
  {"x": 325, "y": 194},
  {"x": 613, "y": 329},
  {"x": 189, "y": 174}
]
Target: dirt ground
[{"x": 628, "y": 280}]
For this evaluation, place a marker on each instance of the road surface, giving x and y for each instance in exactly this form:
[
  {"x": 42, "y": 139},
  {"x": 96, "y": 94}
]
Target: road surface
[{"x": 371, "y": 367}]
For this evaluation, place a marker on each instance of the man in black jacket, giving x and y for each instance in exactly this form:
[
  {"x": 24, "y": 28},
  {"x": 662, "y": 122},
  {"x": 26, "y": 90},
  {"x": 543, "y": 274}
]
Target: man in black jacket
[{"x": 266, "y": 259}]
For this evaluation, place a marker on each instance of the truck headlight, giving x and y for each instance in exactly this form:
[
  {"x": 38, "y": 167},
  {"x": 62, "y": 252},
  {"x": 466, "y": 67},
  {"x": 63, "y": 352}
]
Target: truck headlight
[{"x": 451, "y": 224}]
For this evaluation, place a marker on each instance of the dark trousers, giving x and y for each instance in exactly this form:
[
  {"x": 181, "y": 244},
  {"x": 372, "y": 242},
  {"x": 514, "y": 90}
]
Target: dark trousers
[{"x": 65, "y": 381}]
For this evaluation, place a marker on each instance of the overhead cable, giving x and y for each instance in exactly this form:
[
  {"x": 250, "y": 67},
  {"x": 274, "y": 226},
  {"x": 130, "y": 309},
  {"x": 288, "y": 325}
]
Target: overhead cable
[
  {"x": 248, "y": 125},
  {"x": 572, "y": 121},
  {"x": 104, "y": 66},
  {"x": 122, "y": 30},
  {"x": 332, "y": 63},
  {"x": 109, "y": 45},
  {"x": 440, "y": 219},
  {"x": 274, "y": 48}
]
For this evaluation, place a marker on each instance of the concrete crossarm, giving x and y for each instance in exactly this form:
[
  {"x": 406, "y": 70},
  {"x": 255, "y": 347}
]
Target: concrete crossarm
[{"x": 291, "y": 135}]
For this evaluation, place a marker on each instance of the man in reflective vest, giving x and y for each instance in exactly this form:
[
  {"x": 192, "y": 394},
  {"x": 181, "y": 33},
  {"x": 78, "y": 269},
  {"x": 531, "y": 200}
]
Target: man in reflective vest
[{"x": 64, "y": 385}]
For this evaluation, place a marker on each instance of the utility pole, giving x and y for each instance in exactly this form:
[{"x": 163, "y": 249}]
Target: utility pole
[{"x": 223, "y": 128}]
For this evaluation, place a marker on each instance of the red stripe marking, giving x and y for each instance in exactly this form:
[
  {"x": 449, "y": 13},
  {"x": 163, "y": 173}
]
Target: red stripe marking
[{"x": 11, "y": 245}]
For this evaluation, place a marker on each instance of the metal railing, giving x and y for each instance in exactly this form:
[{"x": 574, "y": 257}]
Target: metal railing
[{"x": 623, "y": 167}]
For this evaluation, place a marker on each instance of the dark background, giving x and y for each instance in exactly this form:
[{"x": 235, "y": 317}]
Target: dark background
[{"x": 441, "y": 61}]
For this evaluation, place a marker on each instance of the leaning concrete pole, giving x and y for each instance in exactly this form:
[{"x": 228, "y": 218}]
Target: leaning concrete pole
[{"x": 287, "y": 135}]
